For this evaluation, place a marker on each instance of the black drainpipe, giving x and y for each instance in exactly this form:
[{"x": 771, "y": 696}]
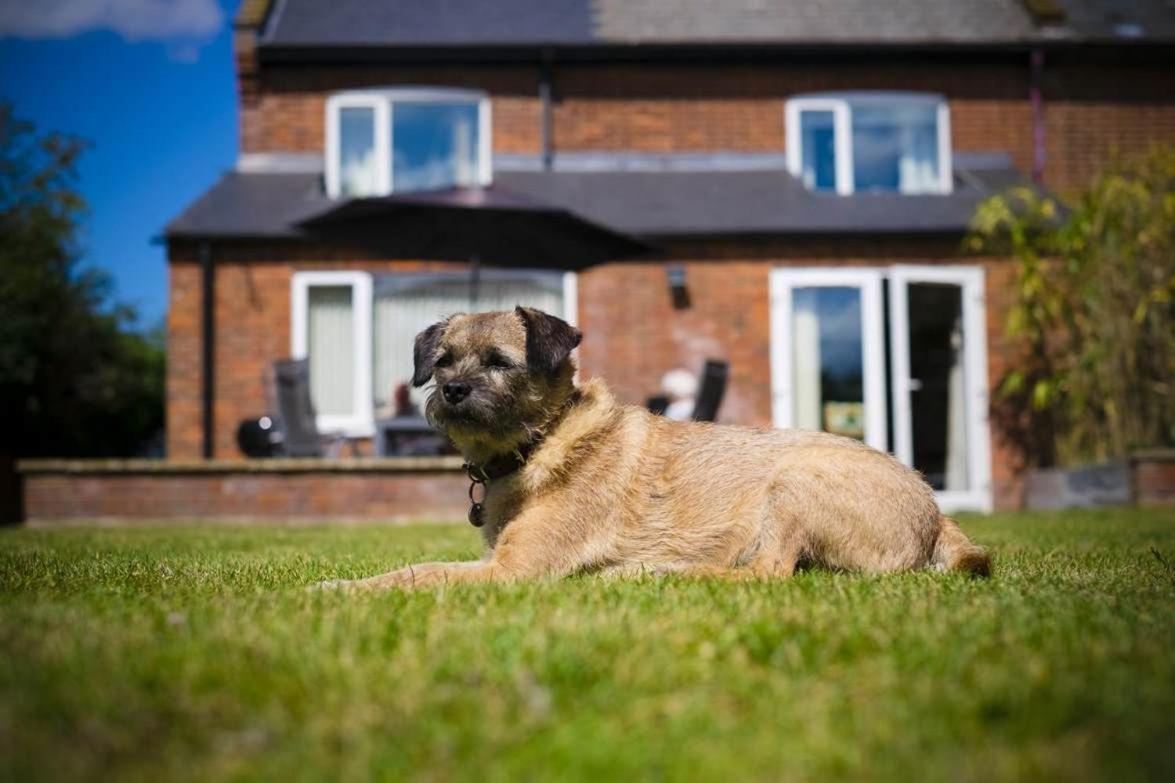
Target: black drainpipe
[
  {"x": 208, "y": 344},
  {"x": 1036, "y": 97},
  {"x": 545, "y": 98}
]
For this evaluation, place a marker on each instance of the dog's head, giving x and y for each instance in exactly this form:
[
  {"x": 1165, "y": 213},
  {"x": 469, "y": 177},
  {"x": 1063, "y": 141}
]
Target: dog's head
[{"x": 499, "y": 377}]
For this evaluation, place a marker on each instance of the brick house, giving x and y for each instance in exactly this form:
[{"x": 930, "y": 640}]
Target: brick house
[{"x": 806, "y": 169}]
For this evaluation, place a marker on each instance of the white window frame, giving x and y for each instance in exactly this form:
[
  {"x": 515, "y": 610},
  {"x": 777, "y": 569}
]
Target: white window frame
[
  {"x": 571, "y": 298},
  {"x": 360, "y": 423},
  {"x": 783, "y": 283},
  {"x": 841, "y": 106},
  {"x": 383, "y": 101},
  {"x": 841, "y": 134}
]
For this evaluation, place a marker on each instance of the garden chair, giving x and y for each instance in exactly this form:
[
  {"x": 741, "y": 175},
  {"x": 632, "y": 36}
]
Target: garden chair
[
  {"x": 712, "y": 389},
  {"x": 296, "y": 420}
]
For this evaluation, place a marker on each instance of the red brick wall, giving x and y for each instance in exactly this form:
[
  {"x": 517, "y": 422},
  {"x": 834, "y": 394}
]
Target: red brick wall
[
  {"x": 280, "y": 496},
  {"x": 1153, "y": 478},
  {"x": 1089, "y": 110},
  {"x": 184, "y": 371}
]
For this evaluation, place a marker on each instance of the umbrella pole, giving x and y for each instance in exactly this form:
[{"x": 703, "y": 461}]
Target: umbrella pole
[{"x": 474, "y": 280}]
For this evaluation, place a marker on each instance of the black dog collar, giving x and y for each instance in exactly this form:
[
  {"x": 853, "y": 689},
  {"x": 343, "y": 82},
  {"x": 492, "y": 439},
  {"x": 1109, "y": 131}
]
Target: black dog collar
[{"x": 496, "y": 468}]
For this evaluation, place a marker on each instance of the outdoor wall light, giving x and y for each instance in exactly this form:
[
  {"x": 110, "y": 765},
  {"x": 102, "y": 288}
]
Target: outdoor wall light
[{"x": 678, "y": 291}]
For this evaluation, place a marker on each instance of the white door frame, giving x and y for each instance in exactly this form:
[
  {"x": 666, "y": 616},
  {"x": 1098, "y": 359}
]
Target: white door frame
[
  {"x": 978, "y": 495},
  {"x": 783, "y": 283}
]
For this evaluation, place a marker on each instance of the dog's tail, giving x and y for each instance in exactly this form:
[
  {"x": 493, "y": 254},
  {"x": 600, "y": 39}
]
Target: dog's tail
[{"x": 953, "y": 551}]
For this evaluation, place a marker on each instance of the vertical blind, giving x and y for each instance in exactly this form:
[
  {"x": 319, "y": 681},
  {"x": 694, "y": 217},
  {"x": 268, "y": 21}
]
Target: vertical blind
[
  {"x": 331, "y": 349},
  {"x": 405, "y": 305}
]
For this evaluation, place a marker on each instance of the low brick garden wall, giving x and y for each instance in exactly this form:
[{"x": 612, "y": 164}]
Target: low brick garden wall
[
  {"x": 393, "y": 489},
  {"x": 372, "y": 489},
  {"x": 1152, "y": 475}
]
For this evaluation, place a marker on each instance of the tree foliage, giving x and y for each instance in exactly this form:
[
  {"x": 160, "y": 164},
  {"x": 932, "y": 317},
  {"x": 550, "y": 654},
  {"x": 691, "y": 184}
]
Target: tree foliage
[
  {"x": 1093, "y": 315},
  {"x": 75, "y": 378}
]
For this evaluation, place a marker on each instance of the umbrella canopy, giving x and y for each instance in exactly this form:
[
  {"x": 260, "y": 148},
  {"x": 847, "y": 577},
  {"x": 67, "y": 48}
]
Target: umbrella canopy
[{"x": 487, "y": 225}]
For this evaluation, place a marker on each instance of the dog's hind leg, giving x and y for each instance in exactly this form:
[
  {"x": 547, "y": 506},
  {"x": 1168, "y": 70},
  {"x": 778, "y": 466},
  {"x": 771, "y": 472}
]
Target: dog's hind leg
[{"x": 782, "y": 541}]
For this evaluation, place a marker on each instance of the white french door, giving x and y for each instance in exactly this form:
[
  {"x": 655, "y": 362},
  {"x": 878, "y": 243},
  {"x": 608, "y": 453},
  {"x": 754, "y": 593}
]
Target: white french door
[
  {"x": 938, "y": 354},
  {"x": 928, "y": 404},
  {"x": 828, "y": 352}
]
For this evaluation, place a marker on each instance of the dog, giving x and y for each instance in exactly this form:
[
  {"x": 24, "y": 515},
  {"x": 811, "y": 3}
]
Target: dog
[{"x": 575, "y": 482}]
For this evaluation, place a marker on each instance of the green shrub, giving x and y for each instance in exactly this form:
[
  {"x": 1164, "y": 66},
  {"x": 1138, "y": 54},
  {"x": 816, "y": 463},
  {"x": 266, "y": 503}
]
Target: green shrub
[{"x": 1092, "y": 320}]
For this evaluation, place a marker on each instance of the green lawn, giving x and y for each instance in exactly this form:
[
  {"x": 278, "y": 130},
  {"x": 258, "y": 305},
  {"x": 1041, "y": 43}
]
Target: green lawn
[{"x": 195, "y": 653}]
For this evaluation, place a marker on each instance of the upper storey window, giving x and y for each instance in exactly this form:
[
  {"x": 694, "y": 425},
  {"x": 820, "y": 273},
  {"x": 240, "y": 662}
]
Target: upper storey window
[
  {"x": 403, "y": 140},
  {"x": 873, "y": 142}
]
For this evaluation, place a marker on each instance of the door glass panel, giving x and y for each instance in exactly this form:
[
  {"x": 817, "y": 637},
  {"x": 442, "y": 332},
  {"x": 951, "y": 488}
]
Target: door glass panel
[
  {"x": 828, "y": 360},
  {"x": 937, "y": 384},
  {"x": 818, "y": 145}
]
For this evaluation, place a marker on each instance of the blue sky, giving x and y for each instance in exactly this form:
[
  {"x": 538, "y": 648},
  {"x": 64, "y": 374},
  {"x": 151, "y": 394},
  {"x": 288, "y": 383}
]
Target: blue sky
[{"x": 149, "y": 83}]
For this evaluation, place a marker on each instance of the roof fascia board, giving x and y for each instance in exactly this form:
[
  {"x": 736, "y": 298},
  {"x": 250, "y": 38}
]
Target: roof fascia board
[{"x": 270, "y": 53}]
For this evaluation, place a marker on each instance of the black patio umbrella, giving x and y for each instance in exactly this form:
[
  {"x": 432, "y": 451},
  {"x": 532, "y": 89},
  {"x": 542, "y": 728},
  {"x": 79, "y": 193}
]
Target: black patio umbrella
[{"x": 478, "y": 225}]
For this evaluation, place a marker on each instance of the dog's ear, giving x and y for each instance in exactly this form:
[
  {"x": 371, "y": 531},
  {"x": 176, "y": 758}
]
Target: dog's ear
[
  {"x": 424, "y": 353},
  {"x": 549, "y": 340}
]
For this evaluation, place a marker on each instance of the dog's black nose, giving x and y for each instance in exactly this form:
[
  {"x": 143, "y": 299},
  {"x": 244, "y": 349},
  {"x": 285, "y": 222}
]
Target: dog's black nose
[{"x": 455, "y": 391}]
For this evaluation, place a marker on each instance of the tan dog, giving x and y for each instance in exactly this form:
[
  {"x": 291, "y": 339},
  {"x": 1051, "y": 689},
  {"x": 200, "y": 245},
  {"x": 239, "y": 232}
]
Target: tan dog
[{"x": 580, "y": 483}]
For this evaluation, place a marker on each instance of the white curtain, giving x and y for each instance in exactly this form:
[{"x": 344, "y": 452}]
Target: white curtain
[
  {"x": 806, "y": 360},
  {"x": 331, "y": 351},
  {"x": 918, "y": 166},
  {"x": 357, "y": 166},
  {"x": 956, "y": 461},
  {"x": 464, "y": 153},
  {"x": 405, "y": 305}
]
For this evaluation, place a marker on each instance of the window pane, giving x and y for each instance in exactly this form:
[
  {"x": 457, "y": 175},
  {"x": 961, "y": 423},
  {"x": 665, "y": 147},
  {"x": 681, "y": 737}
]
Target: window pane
[
  {"x": 357, "y": 151},
  {"x": 818, "y": 144},
  {"x": 331, "y": 349},
  {"x": 937, "y": 398},
  {"x": 405, "y": 309},
  {"x": 895, "y": 148},
  {"x": 828, "y": 363},
  {"x": 434, "y": 145}
]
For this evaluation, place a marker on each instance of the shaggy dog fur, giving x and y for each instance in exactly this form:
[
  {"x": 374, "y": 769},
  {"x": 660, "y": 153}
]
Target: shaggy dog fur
[{"x": 612, "y": 488}]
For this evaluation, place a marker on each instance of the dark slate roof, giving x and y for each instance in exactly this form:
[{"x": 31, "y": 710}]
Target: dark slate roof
[
  {"x": 252, "y": 205},
  {"x": 429, "y": 22},
  {"x": 645, "y": 203},
  {"x": 446, "y": 23},
  {"x": 1118, "y": 19}
]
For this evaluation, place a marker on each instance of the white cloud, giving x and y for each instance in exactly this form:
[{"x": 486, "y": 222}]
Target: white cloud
[{"x": 134, "y": 20}]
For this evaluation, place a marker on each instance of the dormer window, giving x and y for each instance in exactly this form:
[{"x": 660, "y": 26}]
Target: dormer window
[
  {"x": 870, "y": 142},
  {"x": 407, "y": 139}
]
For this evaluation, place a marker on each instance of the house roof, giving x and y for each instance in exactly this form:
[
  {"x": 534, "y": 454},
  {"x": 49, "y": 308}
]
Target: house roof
[
  {"x": 422, "y": 24},
  {"x": 646, "y": 201}
]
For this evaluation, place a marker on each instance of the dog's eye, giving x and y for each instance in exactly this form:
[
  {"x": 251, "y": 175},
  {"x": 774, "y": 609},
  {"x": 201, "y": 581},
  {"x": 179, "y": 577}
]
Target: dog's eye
[
  {"x": 445, "y": 360},
  {"x": 498, "y": 362}
]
